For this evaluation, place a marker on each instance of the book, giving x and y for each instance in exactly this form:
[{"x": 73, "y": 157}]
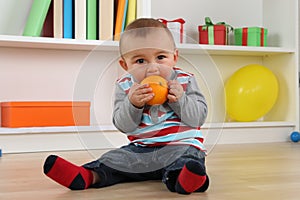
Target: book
[
  {"x": 36, "y": 18},
  {"x": 80, "y": 19},
  {"x": 91, "y": 15},
  {"x": 68, "y": 20},
  {"x": 131, "y": 12},
  {"x": 124, "y": 16},
  {"x": 47, "y": 30},
  {"x": 106, "y": 19},
  {"x": 19, "y": 10},
  {"x": 120, "y": 21},
  {"x": 143, "y": 9},
  {"x": 58, "y": 18}
]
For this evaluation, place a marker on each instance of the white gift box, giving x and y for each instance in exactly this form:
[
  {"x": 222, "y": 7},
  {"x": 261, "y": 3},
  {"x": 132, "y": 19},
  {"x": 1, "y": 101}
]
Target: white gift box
[{"x": 176, "y": 28}]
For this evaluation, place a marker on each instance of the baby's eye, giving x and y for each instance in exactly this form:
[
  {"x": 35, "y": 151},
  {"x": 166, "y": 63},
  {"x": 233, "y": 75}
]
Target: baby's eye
[
  {"x": 140, "y": 61},
  {"x": 160, "y": 57}
]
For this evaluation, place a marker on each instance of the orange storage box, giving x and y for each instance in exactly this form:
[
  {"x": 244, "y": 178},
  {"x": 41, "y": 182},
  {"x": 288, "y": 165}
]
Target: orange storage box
[{"x": 36, "y": 114}]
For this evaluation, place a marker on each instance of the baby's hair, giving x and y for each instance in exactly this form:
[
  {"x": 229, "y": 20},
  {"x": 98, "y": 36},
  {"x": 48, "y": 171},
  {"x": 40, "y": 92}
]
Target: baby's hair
[
  {"x": 145, "y": 23},
  {"x": 142, "y": 27}
]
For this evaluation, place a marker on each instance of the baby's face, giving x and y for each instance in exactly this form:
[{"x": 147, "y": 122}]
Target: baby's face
[
  {"x": 151, "y": 55},
  {"x": 147, "y": 62}
]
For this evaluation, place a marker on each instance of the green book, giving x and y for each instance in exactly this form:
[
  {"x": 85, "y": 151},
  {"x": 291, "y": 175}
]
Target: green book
[
  {"x": 36, "y": 18},
  {"x": 91, "y": 25}
]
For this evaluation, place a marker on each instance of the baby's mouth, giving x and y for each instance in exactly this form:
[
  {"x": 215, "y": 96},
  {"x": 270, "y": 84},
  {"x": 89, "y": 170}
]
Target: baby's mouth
[{"x": 152, "y": 74}]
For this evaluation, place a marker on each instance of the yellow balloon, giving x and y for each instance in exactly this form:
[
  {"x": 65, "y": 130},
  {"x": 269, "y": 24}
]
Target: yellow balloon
[{"x": 251, "y": 92}]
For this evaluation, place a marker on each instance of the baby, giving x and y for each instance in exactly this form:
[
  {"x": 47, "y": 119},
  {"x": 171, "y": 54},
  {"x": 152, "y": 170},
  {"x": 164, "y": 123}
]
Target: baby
[{"x": 165, "y": 140}]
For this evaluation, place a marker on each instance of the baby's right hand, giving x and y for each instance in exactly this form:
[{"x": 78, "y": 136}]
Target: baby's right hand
[{"x": 139, "y": 94}]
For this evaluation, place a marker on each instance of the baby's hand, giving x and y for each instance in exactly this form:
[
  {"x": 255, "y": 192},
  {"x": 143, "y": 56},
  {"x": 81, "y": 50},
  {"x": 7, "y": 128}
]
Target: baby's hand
[
  {"x": 139, "y": 94},
  {"x": 175, "y": 91}
]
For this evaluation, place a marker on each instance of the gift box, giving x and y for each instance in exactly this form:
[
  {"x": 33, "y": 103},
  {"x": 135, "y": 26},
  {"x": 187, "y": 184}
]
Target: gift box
[
  {"x": 176, "y": 27},
  {"x": 38, "y": 114},
  {"x": 214, "y": 33},
  {"x": 251, "y": 36}
]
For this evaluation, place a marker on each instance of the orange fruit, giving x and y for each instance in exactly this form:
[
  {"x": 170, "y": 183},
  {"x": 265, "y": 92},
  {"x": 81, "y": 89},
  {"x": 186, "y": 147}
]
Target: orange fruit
[{"x": 159, "y": 87}]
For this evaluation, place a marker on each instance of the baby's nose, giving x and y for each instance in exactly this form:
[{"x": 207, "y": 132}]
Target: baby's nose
[{"x": 152, "y": 67}]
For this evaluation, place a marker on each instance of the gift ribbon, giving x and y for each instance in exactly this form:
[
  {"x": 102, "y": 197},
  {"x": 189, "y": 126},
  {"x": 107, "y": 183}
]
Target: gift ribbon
[
  {"x": 210, "y": 28},
  {"x": 211, "y": 35},
  {"x": 262, "y": 34},
  {"x": 245, "y": 36},
  {"x": 209, "y": 23},
  {"x": 180, "y": 21}
]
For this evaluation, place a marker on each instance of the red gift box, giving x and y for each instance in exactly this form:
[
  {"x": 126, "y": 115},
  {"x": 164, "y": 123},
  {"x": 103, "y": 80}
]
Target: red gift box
[
  {"x": 219, "y": 36},
  {"x": 214, "y": 33}
]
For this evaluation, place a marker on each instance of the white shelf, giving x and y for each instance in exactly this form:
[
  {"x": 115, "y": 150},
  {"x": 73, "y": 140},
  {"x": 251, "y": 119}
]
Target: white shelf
[
  {"x": 88, "y": 45},
  {"x": 231, "y": 50},
  {"x": 247, "y": 124},
  {"x": 56, "y": 43},
  {"x": 56, "y": 129},
  {"x": 108, "y": 128},
  {"x": 36, "y": 67}
]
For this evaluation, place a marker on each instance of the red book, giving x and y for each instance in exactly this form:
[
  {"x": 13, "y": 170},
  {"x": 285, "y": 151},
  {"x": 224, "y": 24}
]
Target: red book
[{"x": 47, "y": 30}]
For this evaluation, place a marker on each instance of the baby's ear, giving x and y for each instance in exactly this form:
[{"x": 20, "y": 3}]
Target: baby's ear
[
  {"x": 123, "y": 64},
  {"x": 176, "y": 55}
]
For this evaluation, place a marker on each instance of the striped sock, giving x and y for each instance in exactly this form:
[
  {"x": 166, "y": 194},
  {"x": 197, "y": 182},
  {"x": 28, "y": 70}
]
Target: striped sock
[
  {"x": 67, "y": 174},
  {"x": 191, "y": 178}
]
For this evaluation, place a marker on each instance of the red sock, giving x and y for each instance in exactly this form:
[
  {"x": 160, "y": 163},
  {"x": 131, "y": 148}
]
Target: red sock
[
  {"x": 67, "y": 174},
  {"x": 191, "y": 178}
]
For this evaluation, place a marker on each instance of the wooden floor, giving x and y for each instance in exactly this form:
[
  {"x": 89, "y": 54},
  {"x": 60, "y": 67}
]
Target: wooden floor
[{"x": 246, "y": 171}]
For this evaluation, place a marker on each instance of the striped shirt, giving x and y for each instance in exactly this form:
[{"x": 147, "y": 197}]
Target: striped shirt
[{"x": 160, "y": 125}]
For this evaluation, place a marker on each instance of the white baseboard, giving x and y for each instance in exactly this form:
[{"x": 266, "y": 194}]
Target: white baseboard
[
  {"x": 91, "y": 138},
  {"x": 37, "y": 142}
]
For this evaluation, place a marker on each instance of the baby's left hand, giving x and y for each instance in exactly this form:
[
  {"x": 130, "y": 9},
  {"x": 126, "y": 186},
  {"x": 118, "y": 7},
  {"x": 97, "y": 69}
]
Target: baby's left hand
[{"x": 175, "y": 91}]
